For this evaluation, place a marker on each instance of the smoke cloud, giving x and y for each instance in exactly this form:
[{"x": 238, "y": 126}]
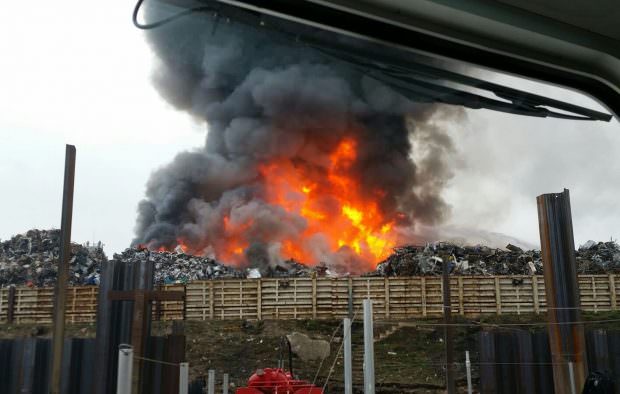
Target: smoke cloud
[{"x": 273, "y": 103}]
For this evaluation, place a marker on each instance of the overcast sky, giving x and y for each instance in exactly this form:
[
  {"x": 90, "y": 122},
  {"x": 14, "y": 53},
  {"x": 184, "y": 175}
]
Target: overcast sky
[{"x": 81, "y": 75}]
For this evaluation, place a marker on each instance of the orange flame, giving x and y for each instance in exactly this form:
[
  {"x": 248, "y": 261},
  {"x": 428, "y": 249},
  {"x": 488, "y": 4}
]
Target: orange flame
[{"x": 331, "y": 202}]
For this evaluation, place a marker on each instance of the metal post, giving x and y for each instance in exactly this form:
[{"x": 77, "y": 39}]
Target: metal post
[
  {"x": 448, "y": 330},
  {"x": 468, "y": 370},
  {"x": 60, "y": 291},
  {"x": 183, "y": 378},
  {"x": 211, "y": 382},
  {"x": 348, "y": 376},
  {"x": 125, "y": 366},
  {"x": 225, "y": 384},
  {"x": 369, "y": 352},
  {"x": 571, "y": 375},
  {"x": 566, "y": 334}
]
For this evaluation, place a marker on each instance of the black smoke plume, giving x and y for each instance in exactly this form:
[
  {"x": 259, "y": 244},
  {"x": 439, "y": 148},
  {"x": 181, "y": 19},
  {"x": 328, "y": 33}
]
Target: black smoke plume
[{"x": 263, "y": 97}]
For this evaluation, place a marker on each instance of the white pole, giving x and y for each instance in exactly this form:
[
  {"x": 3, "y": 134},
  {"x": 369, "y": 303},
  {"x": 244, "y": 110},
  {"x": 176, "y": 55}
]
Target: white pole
[
  {"x": 571, "y": 376},
  {"x": 211, "y": 382},
  {"x": 369, "y": 353},
  {"x": 225, "y": 384},
  {"x": 183, "y": 378},
  {"x": 125, "y": 367},
  {"x": 468, "y": 368},
  {"x": 348, "y": 378}
]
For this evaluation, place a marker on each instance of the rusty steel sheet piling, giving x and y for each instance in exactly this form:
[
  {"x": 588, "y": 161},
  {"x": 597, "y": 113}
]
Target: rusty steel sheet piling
[
  {"x": 60, "y": 291},
  {"x": 566, "y": 332}
]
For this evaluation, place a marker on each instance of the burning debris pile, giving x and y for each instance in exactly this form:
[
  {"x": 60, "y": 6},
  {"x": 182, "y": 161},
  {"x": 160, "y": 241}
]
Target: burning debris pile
[
  {"x": 592, "y": 258},
  {"x": 32, "y": 259}
]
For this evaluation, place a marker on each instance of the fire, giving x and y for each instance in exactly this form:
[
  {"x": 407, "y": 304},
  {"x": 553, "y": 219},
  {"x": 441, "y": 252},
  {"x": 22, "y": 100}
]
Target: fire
[
  {"x": 336, "y": 213},
  {"x": 332, "y": 203}
]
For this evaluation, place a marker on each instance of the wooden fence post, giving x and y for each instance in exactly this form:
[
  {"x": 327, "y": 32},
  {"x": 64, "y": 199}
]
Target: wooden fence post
[
  {"x": 535, "y": 294},
  {"x": 314, "y": 296},
  {"x": 461, "y": 297},
  {"x": 10, "y": 307},
  {"x": 423, "y": 290},
  {"x": 259, "y": 300},
  {"x": 386, "y": 284},
  {"x": 211, "y": 301},
  {"x": 241, "y": 299},
  {"x": 498, "y": 297},
  {"x": 593, "y": 283},
  {"x": 612, "y": 292},
  {"x": 350, "y": 297}
]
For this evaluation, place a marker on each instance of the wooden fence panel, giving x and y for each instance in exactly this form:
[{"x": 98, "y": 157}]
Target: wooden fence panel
[
  {"x": 405, "y": 297},
  {"x": 286, "y": 298},
  {"x": 4, "y": 294},
  {"x": 235, "y": 299},
  {"x": 517, "y": 295},
  {"x": 595, "y": 293},
  {"x": 171, "y": 310},
  {"x": 328, "y": 298}
]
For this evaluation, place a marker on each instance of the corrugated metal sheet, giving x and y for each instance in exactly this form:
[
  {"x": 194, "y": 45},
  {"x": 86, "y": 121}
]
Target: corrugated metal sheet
[{"x": 519, "y": 361}]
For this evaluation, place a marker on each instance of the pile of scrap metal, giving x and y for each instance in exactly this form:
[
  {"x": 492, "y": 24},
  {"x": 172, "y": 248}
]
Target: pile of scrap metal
[
  {"x": 592, "y": 258},
  {"x": 31, "y": 259},
  {"x": 178, "y": 267},
  {"x": 598, "y": 257}
]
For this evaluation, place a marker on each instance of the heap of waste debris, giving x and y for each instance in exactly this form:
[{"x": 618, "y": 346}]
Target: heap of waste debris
[
  {"x": 591, "y": 258},
  {"x": 178, "y": 267},
  {"x": 31, "y": 259},
  {"x": 598, "y": 258}
]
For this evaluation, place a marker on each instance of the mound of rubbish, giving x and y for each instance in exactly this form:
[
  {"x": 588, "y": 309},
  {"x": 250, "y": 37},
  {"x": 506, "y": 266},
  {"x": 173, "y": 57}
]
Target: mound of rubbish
[
  {"x": 31, "y": 259},
  {"x": 598, "y": 258},
  {"x": 178, "y": 267},
  {"x": 411, "y": 260}
]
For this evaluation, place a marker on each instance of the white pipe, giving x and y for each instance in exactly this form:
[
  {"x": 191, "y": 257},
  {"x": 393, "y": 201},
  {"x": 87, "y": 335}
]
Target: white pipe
[
  {"x": 369, "y": 352},
  {"x": 571, "y": 376},
  {"x": 125, "y": 368},
  {"x": 211, "y": 382},
  {"x": 468, "y": 368},
  {"x": 348, "y": 375},
  {"x": 225, "y": 384},
  {"x": 183, "y": 378}
]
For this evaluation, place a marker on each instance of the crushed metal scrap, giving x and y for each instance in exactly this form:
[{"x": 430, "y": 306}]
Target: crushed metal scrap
[
  {"x": 592, "y": 258},
  {"x": 31, "y": 259},
  {"x": 178, "y": 267}
]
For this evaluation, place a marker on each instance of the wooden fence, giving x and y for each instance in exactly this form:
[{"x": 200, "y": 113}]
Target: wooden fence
[{"x": 325, "y": 298}]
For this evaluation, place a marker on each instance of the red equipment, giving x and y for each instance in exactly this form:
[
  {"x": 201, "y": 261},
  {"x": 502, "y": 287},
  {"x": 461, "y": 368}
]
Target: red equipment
[{"x": 278, "y": 380}]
